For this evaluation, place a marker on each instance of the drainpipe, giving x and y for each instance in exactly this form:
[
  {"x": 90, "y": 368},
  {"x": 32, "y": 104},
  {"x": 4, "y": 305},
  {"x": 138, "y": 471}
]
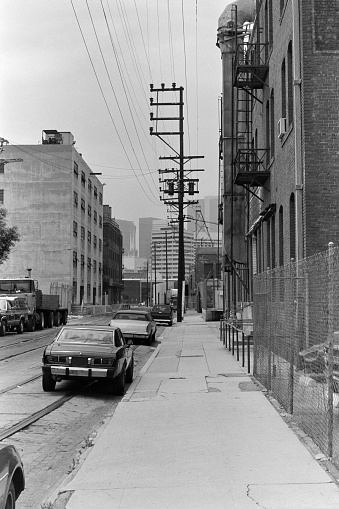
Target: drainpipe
[{"x": 298, "y": 166}]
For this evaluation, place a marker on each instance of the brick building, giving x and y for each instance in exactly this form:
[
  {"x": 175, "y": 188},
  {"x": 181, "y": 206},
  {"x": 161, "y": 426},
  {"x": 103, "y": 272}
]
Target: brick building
[
  {"x": 284, "y": 153},
  {"x": 112, "y": 258}
]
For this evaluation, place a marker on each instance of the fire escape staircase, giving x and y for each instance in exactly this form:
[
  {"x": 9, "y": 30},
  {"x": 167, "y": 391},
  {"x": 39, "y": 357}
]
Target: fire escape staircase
[{"x": 249, "y": 74}]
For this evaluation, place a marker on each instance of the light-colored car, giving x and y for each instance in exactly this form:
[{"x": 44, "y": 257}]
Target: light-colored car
[
  {"x": 88, "y": 352},
  {"x": 136, "y": 325},
  {"x": 12, "y": 477}
]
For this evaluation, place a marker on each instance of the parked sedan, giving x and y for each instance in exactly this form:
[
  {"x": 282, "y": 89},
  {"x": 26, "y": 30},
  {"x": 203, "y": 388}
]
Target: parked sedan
[
  {"x": 12, "y": 477},
  {"x": 135, "y": 324},
  {"x": 88, "y": 352},
  {"x": 162, "y": 313}
]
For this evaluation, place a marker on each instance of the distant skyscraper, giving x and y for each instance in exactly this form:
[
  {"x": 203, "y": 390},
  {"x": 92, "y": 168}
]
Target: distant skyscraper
[
  {"x": 145, "y": 236},
  {"x": 128, "y": 230}
]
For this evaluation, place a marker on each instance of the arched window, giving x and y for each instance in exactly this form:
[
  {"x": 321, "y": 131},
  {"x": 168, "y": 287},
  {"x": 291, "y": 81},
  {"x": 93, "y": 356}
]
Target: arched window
[
  {"x": 272, "y": 242},
  {"x": 290, "y": 83},
  {"x": 292, "y": 226},
  {"x": 268, "y": 133},
  {"x": 272, "y": 124},
  {"x": 283, "y": 89},
  {"x": 281, "y": 236}
]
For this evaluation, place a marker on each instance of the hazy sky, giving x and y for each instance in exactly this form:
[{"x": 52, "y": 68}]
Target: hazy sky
[{"x": 85, "y": 66}]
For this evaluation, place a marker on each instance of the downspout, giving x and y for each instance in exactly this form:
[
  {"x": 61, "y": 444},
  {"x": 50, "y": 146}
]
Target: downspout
[{"x": 298, "y": 166}]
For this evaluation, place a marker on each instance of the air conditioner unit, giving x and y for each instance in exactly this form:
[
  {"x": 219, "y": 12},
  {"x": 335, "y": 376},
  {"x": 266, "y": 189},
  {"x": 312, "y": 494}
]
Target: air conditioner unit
[{"x": 281, "y": 127}]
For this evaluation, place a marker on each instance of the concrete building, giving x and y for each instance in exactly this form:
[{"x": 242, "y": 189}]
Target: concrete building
[
  {"x": 56, "y": 202},
  {"x": 128, "y": 230},
  {"x": 165, "y": 249},
  {"x": 112, "y": 258},
  {"x": 146, "y": 225},
  {"x": 282, "y": 201}
]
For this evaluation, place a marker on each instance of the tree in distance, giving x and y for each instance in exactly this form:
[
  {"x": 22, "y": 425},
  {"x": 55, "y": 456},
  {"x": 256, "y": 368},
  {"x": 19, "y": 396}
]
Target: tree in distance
[{"x": 8, "y": 236}]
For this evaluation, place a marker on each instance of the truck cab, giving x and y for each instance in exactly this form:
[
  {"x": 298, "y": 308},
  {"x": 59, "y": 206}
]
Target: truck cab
[{"x": 13, "y": 314}]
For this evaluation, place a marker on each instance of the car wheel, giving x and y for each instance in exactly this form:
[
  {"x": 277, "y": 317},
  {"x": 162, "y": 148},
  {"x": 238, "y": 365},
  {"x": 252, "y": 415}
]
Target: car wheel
[
  {"x": 130, "y": 371},
  {"x": 20, "y": 327},
  {"x": 48, "y": 384},
  {"x": 3, "y": 329},
  {"x": 149, "y": 340},
  {"x": 170, "y": 324},
  {"x": 10, "y": 500},
  {"x": 119, "y": 383},
  {"x": 50, "y": 319}
]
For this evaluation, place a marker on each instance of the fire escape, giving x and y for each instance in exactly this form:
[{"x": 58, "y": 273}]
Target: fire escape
[{"x": 249, "y": 74}]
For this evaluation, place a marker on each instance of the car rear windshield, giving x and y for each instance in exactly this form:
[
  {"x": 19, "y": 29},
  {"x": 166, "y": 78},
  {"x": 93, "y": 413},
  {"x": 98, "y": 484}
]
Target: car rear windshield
[
  {"x": 131, "y": 316},
  {"x": 161, "y": 308},
  {"x": 86, "y": 336}
]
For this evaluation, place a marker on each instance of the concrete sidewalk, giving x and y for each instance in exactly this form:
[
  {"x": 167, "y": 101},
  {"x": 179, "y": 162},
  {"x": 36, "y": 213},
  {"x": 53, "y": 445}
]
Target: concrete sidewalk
[{"x": 194, "y": 431}]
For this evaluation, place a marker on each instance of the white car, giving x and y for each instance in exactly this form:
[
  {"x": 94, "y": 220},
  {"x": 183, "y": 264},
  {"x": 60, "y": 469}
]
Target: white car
[{"x": 135, "y": 324}]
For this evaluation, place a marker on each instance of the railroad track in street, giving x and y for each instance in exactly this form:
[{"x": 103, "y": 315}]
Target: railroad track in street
[{"x": 35, "y": 416}]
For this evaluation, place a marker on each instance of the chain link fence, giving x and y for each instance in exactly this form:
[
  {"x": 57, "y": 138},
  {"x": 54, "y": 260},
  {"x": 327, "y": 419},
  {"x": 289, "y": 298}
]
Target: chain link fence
[{"x": 296, "y": 343}]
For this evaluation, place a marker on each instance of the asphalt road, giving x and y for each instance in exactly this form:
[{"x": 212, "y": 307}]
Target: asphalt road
[{"x": 52, "y": 446}]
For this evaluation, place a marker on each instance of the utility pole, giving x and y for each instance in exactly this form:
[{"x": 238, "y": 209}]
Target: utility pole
[{"x": 179, "y": 184}]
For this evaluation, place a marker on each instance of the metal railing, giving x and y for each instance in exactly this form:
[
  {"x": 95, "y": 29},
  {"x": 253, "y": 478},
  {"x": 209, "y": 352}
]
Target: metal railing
[{"x": 237, "y": 342}]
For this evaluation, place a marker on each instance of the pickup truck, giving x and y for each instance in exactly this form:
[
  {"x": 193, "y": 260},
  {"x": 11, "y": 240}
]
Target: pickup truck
[{"x": 13, "y": 314}]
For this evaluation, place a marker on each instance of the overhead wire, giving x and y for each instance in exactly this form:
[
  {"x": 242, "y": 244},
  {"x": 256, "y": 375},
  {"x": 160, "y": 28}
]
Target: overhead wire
[{"x": 105, "y": 100}]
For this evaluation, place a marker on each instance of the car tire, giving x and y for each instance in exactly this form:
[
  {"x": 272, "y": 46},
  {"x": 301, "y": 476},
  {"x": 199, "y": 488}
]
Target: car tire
[
  {"x": 48, "y": 384},
  {"x": 130, "y": 371},
  {"x": 150, "y": 340},
  {"x": 64, "y": 318},
  {"x": 10, "y": 500},
  {"x": 119, "y": 383},
  {"x": 3, "y": 328},
  {"x": 20, "y": 327}
]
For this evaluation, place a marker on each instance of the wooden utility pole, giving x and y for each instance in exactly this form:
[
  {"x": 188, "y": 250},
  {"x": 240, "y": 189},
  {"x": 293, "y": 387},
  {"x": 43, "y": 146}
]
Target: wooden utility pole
[{"x": 179, "y": 185}]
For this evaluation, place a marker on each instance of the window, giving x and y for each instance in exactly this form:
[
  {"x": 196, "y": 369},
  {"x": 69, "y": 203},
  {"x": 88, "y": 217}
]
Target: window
[
  {"x": 2, "y": 196},
  {"x": 89, "y": 210},
  {"x": 83, "y": 205},
  {"x": 100, "y": 222},
  {"x": 83, "y": 178},
  {"x": 76, "y": 170},
  {"x": 100, "y": 198},
  {"x": 99, "y": 266},
  {"x": 89, "y": 263},
  {"x": 272, "y": 124},
  {"x": 281, "y": 237},
  {"x": 75, "y": 259},
  {"x": 95, "y": 241},
  {"x": 100, "y": 244},
  {"x": 283, "y": 89},
  {"x": 89, "y": 186},
  {"x": 82, "y": 233},
  {"x": 95, "y": 192},
  {"x": 268, "y": 133},
  {"x": 94, "y": 266},
  {"x": 75, "y": 199},
  {"x": 2, "y": 167},
  {"x": 89, "y": 237},
  {"x": 292, "y": 227},
  {"x": 75, "y": 229},
  {"x": 82, "y": 260},
  {"x": 95, "y": 217},
  {"x": 290, "y": 84},
  {"x": 272, "y": 242}
]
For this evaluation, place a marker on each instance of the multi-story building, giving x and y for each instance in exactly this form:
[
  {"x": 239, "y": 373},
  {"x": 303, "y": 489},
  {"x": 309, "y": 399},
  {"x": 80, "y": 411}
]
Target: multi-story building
[
  {"x": 112, "y": 258},
  {"x": 280, "y": 156},
  {"x": 56, "y": 202},
  {"x": 165, "y": 250},
  {"x": 128, "y": 230},
  {"x": 146, "y": 225}
]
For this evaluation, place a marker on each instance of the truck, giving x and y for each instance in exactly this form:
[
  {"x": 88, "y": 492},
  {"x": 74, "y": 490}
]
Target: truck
[
  {"x": 13, "y": 314},
  {"x": 43, "y": 310}
]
